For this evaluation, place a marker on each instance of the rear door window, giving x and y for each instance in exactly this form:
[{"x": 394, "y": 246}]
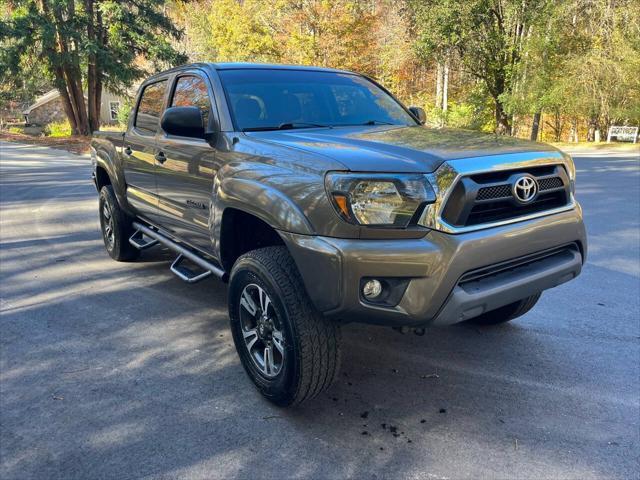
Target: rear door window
[
  {"x": 150, "y": 107},
  {"x": 191, "y": 91}
]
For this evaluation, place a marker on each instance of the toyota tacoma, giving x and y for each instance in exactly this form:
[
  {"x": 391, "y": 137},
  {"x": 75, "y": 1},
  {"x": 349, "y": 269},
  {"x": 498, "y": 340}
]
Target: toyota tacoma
[{"x": 321, "y": 199}]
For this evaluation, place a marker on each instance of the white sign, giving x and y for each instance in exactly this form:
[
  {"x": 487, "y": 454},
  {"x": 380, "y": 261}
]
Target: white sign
[{"x": 629, "y": 134}]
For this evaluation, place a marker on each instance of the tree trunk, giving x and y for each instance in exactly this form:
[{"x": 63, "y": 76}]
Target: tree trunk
[
  {"x": 98, "y": 97},
  {"x": 445, "y": 85},
  {"x": 573, "y": 136},
  {"x": 59, "y": 74},
  {"x": 606, "y": 124},
  {"x": 66, "y": 101},
  {"x": 77, "y": 100},
  {"x": 503, "y": 122},
  {"x": 71, "y": 70},
  {"x": 101, "y": 35},
  {"x": 498, "y": 87},
  {"x": 558, "y": 126},
  {"x": 76, "y": 84},
  {"x": 94, "y": 108},
  {"x": 591, "y": 131},
  {"x": 439, "y": 86},
  {"x": 535, "y": 127}
]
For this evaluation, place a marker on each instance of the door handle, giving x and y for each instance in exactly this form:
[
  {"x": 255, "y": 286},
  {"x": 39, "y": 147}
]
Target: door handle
[
  {"x": 128, "y": 150},
  {"x": 160, "y": 157}
]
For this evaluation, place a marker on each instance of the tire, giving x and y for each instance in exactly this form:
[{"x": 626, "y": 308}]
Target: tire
[
  {"x": 305, "y": 347},
  {"x": 508, "y": 312},
  {"x": 116, "y": 227}
]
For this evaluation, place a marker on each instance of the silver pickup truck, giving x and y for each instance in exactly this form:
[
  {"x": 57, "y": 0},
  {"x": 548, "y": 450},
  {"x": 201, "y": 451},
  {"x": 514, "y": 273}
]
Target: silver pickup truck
[{"x": 321, "y": 199}]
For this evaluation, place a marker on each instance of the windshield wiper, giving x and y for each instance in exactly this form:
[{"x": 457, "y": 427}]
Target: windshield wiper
[
  {"x": 286, "y": 126},
  {"x": 377, "y": 122}
]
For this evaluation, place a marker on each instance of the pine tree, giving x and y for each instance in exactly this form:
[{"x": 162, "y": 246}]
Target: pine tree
[{"x": 97, "y": 43}]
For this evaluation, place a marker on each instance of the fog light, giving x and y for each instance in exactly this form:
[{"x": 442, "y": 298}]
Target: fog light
[{"x": 372, "y": 289}]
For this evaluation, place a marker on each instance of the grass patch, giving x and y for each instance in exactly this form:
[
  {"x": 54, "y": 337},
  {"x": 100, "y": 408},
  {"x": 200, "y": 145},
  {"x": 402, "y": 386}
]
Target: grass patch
[
  {"x": 112, "y": 128},
  {"x": 58, "y": 129}
]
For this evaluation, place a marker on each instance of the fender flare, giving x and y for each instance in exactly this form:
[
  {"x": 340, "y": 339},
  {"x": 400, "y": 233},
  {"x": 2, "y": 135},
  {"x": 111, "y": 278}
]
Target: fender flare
[
  {"x": 105, "y": 160},
  {"x": 261, "y": 200}
]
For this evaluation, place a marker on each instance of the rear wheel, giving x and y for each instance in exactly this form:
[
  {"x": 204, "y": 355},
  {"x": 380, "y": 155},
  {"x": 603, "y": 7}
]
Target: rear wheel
[
  {"x": 288, "y": 349},
  {"x": 508, "y": 312},
  {"x": 116, "y": 227}
]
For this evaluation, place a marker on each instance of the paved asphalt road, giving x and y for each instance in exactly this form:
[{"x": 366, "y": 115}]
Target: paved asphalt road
[{"x": 112, "y": 370}]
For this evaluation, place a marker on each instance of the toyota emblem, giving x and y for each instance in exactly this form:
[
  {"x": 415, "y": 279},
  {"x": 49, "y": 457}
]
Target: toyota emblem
[{"x": 525, "y": 188}]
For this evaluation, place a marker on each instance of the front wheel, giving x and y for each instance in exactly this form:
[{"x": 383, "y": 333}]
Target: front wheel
[
  {"x": 288, "y": 349},
  {"x": 116, "y": 227},
  {"x": 508, "y": 312}
]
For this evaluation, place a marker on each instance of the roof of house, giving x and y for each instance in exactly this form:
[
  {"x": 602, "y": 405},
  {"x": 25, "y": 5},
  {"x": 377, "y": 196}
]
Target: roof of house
[
  {"x": 41, "y": 100},
  {"x": 44, "y": 99}
]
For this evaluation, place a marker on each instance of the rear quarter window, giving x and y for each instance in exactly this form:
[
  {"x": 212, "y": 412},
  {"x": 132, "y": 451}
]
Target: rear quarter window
[{"x": 150, "y": 107}]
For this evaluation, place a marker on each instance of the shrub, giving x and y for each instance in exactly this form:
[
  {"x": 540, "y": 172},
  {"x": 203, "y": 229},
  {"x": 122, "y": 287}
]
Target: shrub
[
  {"x": 123, "y": 114},
  {"x": 58, "y": 129},
  {"x": 16, "y": 129}
]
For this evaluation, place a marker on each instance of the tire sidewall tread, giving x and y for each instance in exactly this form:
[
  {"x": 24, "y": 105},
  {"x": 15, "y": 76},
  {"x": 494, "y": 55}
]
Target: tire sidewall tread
[
  {"x": 315, "y": 352},
  {"x": 122, "y": 225}
]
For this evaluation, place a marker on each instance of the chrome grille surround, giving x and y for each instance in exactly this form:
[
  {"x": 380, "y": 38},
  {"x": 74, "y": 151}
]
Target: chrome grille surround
[{"x": 446, "y": 177}]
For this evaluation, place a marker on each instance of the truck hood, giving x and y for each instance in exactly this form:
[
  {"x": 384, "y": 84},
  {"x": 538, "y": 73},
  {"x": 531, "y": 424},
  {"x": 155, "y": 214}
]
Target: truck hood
[{"x": 397, "y": 148}]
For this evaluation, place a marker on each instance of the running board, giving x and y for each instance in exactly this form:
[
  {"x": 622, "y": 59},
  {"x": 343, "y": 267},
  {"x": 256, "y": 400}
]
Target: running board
[{"x": 181, "y": 271}]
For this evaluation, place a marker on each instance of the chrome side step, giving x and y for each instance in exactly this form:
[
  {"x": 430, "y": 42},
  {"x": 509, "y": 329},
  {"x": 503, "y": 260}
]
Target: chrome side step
[
  {"x": 138, "y": 241},
  {"x": 184, "y": 273}
]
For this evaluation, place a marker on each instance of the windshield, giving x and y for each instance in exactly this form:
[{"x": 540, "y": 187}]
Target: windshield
[{"x": 264, "y": 99}]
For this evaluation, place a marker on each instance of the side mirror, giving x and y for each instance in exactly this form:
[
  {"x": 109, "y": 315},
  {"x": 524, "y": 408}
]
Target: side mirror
[
  {"x": 418, "y": 112},
  {"x": 183, "y": 121}
]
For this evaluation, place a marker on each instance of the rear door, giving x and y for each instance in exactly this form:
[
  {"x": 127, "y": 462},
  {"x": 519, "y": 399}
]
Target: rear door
[
  {"x": 140, "y": 149},
  {"x": 185, "y": 176}
]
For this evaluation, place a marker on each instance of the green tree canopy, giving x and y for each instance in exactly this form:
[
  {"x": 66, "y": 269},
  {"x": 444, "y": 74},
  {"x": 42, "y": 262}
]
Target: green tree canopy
[
  {"x": 501, "y": 65},
  {"x": 90, "y": 42},
  {"x": 487, "y": 36},
  {"x": 582, "y": 59}
]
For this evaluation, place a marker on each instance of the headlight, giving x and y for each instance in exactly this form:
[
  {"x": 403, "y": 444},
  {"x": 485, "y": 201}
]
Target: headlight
[{"x": 389, "y": 200}]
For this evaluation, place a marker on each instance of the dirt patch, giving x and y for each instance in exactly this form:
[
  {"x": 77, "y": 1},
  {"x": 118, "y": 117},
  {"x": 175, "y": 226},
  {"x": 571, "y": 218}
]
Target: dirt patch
[{"x": 74, "y": 144}]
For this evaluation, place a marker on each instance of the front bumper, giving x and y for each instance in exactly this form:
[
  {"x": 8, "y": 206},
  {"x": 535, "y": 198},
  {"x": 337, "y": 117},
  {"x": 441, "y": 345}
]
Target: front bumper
[{"x": 437, "y": 268}]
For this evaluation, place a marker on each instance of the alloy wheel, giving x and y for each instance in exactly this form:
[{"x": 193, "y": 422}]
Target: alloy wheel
[
  {"x": 262, "y": 331},
  {"x": 107, "y": 225}
]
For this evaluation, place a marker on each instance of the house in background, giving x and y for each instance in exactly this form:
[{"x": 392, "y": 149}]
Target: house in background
[{"x": 48, "y": 108}]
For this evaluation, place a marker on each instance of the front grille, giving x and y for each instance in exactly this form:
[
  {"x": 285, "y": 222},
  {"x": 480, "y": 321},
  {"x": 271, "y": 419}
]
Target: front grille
[
  {"x": 488, "y": 197},
  {"x": 550, "y": 183},
  {"x": 499, "y": 191},
  {"x": 503, "y": 210}
]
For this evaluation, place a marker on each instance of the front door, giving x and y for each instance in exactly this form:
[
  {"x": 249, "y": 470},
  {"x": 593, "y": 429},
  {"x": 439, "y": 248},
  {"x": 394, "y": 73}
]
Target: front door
[
  {"x": 185, "y": 175},
  {"x": 140, "y": 150}
]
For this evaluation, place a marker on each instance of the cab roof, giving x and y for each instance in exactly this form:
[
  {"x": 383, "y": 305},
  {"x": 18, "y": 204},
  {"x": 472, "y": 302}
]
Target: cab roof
[
  {"x": 245, "y": 66},
  {"x": 271, "y": 66}
]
